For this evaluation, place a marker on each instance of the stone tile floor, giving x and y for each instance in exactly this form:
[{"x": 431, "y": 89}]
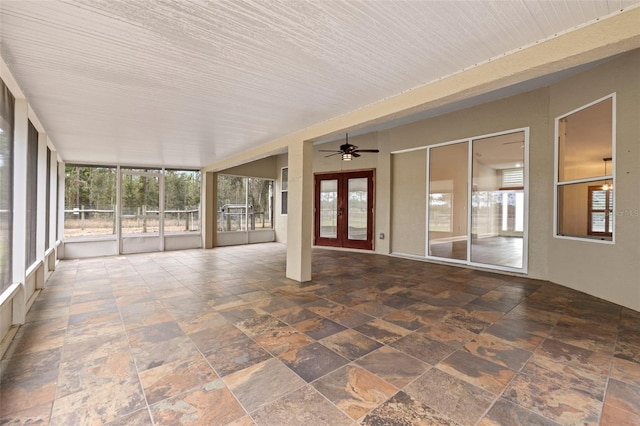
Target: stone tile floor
[{"x": 220, "y": 336}]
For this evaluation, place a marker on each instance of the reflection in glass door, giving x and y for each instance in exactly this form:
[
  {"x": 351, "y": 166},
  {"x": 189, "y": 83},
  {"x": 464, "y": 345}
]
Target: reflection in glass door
[
  {"x": 497, "y": 201},
  {"x": 357, "y": 209},
  {"x": 477, "y": 203},
  {"x": 448, "y": 190},
  {"x": 328, "y": 208},
  {"x": 140, "y": 211},
  {"x": 344, "y": 210}
]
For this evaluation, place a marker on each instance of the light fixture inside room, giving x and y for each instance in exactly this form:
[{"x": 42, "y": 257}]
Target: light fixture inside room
[
  {"x": 346, "y": 157},
  {"x": 607, "y": 185}
]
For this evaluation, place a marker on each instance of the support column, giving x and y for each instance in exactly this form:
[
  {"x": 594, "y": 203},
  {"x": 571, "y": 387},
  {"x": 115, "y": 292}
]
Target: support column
[
  {"x": 60, "y": 170},
  {"x": 300, "y": 211},
  {"x": 209, "y": 219},
  {"x": 20, "y": 137},
  {"x": 53, "y": 208},
  {"x": 41, "y": 207}
]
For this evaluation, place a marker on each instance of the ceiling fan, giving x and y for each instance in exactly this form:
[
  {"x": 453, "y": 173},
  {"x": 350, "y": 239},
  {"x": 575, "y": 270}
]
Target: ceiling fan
[{"x": 348, "y": 150}]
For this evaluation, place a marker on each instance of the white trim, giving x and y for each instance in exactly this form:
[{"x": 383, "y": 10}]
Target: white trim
[
  {"x": 525, "y": 232},
  {"x": 593, "y": 239},
  {"x": 427, "y": 199},
  {"x": 469, "y": 197},
  {"x": 9, "y": 81},
  {"x": 403, "y": 151},
  {"x": 20, "y": 143},
  {"x": 8, "y": 295},
  {"x": 284, "y": 190},
  {"x": 41, "y": 190},
  {"x": 33, "y": 267}
]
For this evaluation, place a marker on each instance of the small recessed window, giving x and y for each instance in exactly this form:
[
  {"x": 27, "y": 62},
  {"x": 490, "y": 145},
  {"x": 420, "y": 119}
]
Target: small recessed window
[
  {"x": 284, "y": 190},
  {"x": 585, "y": 178}
]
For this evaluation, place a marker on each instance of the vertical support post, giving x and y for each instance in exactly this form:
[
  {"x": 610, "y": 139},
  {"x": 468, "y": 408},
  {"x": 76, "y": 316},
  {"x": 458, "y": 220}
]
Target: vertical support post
[
  {"x": 300, "y": 214},
  {"x": 21, "y": 132},
  {"x": 209, "y": 219},
  {"x": 60, "y": 206},
  {"x": 53, "y": 215}
]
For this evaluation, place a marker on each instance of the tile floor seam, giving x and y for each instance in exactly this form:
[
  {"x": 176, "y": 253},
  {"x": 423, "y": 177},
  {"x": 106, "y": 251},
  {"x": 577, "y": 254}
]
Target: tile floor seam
[
  {"x": 571, "y": 316},
  {"x": 135, "y": 363}
]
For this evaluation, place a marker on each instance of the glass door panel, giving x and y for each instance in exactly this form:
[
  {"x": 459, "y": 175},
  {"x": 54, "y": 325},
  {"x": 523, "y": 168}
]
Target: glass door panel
[
  {"x": 357, "y": 209},
  {"x": 329, "y": 208},
  {"x": 497, "y": 200},
  {"x": 448, "y": 192}
]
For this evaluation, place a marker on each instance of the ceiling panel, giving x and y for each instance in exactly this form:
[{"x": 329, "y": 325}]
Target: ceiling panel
[{"x": 178, "y": 83}]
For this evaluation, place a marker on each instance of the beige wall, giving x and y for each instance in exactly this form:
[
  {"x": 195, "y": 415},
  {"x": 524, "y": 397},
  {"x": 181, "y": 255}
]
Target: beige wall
[
  {"x": 264, "y": 168},
  {"x": 408, "y": 202},
  {"x": 605, "y": 270}
]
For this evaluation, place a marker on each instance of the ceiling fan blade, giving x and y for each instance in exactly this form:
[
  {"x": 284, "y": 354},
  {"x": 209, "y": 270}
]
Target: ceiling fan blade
[
  {"x": 367, "y": 150},
  {"x": 331, "y": 155},
  {"x": 347, "y": 148},
  {"x": 355, "y": 154},
  {"x": 329, "y": 150}
]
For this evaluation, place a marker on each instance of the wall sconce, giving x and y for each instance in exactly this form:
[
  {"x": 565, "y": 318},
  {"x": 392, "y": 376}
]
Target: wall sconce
[{"x": 346, "y": 157}]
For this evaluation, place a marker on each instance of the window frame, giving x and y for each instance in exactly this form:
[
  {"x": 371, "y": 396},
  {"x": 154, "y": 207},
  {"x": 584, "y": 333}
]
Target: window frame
[
  {"x": 244, "y": 209},
  {"x": 114, "y": 235},
  {"x": 284, "y": 191},
  {"x": 608, "y": 211},
  {"x": 611, "y": 177},
  {"x": 167, "y": 193}
]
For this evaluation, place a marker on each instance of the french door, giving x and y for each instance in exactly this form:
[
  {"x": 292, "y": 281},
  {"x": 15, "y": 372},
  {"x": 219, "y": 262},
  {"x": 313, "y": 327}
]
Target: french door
[{"x": 344, "y": 209}]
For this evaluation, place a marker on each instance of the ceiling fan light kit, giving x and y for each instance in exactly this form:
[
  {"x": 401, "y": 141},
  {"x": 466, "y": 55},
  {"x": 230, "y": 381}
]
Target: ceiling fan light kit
[{"x": 348, "y": 151}]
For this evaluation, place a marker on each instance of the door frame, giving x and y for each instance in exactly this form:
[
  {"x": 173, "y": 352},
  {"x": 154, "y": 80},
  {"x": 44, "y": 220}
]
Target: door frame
[{"x": 342, "y": 239}]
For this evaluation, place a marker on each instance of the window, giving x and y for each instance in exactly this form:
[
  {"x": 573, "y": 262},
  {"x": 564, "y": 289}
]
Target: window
[
  {"x": 284, "y": 191},
  {"x": 182, "y": 201},
  {"x": 513, "y": 178},
  {"x": 6, "y": 185},
  {"x": 32, "y": 196},
  {"x": 244, "y": 203},
  {"x": 89, "y": 201},
  {"x": 585, "y": 172},
  {"x": 600, "y": 211}
]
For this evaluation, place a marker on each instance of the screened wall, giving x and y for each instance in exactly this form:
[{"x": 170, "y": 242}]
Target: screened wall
[{"x": 6, "y": 185}]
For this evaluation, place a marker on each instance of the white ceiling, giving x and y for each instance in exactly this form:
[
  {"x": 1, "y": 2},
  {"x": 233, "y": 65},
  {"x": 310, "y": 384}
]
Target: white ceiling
[{"x": 176, "y": 83}]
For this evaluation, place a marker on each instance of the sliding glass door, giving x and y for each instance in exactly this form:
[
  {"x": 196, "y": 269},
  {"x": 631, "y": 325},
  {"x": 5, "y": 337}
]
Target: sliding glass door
[{"x": 477, "y": 201}]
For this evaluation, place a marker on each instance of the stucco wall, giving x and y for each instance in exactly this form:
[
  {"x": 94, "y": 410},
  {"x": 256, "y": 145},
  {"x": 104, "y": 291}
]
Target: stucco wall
[
  {"x": 605, "y": 270},
  {"x": 609, "y": 271}
]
